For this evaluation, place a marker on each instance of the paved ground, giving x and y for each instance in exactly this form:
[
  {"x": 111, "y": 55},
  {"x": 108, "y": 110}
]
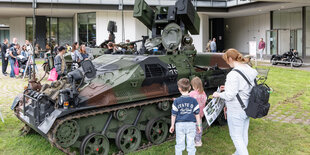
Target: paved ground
[
  {"x": 266, "y": 62},
  {"x": 279, "y": 113}
]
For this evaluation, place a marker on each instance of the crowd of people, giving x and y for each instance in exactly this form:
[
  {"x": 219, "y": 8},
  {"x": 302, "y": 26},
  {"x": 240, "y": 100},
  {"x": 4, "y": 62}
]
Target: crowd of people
[{"x": 10, "y": 52}]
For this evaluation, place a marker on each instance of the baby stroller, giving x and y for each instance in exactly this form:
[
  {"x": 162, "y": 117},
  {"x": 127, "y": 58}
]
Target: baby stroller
[{"x": 22, "y": 63}]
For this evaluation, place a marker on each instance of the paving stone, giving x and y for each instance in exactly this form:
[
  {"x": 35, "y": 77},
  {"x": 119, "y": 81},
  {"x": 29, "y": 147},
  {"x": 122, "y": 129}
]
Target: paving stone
[
  {"x": 291, "y": 117},
  {"x": 294, "y": 121},
  {"x": 273, "y": 115},
  {"x": 287, "y": 119}
]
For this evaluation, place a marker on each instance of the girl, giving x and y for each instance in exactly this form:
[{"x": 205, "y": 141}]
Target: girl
[
  {"x": 75, "y": 54},
  {"x": 201, "y": 97},
  {"x": 83, "y": 52},
  {"x": 24, "y": 51}
]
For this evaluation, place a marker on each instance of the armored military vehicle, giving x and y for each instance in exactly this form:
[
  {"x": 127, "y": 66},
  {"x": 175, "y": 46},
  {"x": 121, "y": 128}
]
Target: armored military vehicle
[{"x": 120, "y": 98}]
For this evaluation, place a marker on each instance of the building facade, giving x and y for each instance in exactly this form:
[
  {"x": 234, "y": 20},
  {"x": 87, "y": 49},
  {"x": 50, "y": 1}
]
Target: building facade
[{"x": 282, "y": 25}]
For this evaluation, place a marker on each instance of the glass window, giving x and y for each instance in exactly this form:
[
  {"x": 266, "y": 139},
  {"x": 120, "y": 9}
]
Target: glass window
[
  {"x": 52, "y": 30},
  {"x": 4, "y": 34},
  {"x": 87, "y": 27},
  {"x": 29, "y": 30},
  {"x": 65, "y": 31},
  {"x": 58, "y": 30}
]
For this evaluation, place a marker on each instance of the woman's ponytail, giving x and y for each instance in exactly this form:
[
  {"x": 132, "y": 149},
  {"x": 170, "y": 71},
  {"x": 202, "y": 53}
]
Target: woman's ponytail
[{"x": 235, "y": 55}]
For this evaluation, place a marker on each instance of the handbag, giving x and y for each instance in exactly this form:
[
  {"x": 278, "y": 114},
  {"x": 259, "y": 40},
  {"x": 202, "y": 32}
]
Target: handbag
[
  {"x": 53, "y": 75},
  {"x": 16, "y": 68}
]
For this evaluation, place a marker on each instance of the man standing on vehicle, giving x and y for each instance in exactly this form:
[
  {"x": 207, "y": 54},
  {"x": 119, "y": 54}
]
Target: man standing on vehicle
[
  {"x": 4, "y": 47},
  {"x": 261, "y": 48}
]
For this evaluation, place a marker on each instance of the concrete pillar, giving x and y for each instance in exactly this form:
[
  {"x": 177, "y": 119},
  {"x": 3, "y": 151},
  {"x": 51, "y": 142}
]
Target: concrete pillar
[
  {"x": 18, "y": 29},
  {"x": 304, "y": 32},
  {"x": 75, "y": 27},
  {"x": 200, "y": 41}
]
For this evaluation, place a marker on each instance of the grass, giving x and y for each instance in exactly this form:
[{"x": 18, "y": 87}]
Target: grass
[
  {"x": 291, "y": 96},
  {"x": 265, "y": 137}
]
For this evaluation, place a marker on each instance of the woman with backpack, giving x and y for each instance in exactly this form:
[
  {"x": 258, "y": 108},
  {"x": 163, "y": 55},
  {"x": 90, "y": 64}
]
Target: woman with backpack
[{"x": 238, "y": 121}]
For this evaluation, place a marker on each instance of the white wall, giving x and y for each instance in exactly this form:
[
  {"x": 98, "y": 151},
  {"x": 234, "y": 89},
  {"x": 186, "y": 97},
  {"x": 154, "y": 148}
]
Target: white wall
[
  {"x": 241, "y": 30},
  {"x": 5, "y": 21},
  {"x": 287, "y": 20},
  {"x": 200, "y": 41},
  {"x": 133, "y": 29},
  {"x": 18, "y": 29}
]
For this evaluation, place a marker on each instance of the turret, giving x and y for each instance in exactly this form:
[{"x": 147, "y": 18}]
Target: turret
[{"x": 183, "y": 13}]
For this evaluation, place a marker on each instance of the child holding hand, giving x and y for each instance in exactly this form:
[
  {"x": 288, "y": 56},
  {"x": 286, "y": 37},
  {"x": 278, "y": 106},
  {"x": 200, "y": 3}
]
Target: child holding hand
[
  {"x": 201, "y": 97},
  {"x": 185, "y": 117}
]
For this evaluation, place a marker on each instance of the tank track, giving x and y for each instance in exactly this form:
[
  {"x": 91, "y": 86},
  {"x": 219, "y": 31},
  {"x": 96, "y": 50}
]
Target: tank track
[{"x": 94, "y": 112}]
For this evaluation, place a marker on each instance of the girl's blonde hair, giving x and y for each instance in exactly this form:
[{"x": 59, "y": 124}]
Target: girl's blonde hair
[{"x": 197, "y": 83}]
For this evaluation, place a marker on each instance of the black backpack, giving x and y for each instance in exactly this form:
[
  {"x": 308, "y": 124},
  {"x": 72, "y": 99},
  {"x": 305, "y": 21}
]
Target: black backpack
[{"x": 258, "y": 102}]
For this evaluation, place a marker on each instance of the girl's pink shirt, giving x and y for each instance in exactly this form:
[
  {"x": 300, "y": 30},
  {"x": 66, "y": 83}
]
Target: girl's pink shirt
[{"x": 201, "y": 99}]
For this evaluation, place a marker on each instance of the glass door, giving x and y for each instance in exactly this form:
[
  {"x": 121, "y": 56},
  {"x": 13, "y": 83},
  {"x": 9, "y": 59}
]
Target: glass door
[
  {"x": 293, "y": 39},
  {"x": 296, "y": 40},
  {"x": 272, "y": 42},
  {"x": 299, "y": 41},
  {"x": 283, "y": 41}
]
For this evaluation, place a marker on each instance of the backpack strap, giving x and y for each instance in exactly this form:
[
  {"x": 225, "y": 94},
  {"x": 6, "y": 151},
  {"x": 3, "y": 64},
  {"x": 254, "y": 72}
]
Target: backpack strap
[
  {"x": 240, "y": 101},
  {"x": 238, "y": 96},
  {"x": 246, "y": 79}
]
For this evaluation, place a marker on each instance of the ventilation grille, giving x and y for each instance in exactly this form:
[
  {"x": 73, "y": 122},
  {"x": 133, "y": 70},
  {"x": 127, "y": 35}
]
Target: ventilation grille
[{"x": 154, "y": 70}]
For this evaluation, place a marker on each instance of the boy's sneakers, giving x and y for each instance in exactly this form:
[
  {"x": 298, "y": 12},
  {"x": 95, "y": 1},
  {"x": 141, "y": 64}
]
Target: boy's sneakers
[{"x": 198, "y": 144}]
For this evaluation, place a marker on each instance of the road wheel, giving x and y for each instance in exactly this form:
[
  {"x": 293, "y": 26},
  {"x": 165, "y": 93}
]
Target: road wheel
[
  {"x": 95, "y": 143},
  {"x": 128, "y": 138},
  {"x": 67, "y": 133},
  {"x": 156, "y": 130}
]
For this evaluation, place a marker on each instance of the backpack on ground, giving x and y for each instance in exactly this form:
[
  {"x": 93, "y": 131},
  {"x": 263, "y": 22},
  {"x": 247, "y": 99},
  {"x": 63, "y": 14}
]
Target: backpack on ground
[{"x": 258, "y": 102}]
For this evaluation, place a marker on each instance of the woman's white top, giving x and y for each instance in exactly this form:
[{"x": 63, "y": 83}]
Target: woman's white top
[
  {"x": 235, "y": 83},
  {"x": 76, "y": 55}
]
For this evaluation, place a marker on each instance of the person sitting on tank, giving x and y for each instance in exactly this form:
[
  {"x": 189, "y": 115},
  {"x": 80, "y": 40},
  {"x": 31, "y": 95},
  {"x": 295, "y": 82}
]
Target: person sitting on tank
[
  {"x": 60, "y": 63},
  {"x": 130, "y": 49},
  {"x": 110, "y": 49},
  {"x": 83, "y": 52}
]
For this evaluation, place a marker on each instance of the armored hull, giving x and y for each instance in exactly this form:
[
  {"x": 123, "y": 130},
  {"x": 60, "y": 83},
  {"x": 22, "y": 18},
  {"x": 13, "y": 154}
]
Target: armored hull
[{"x": 129, "y": 93}]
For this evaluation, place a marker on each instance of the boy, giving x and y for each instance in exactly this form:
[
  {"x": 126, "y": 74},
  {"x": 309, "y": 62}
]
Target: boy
[{"x": 185, "y": 112}]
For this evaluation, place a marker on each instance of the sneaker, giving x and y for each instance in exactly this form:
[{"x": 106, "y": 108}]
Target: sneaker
[{"x": 198, "y": 144}]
